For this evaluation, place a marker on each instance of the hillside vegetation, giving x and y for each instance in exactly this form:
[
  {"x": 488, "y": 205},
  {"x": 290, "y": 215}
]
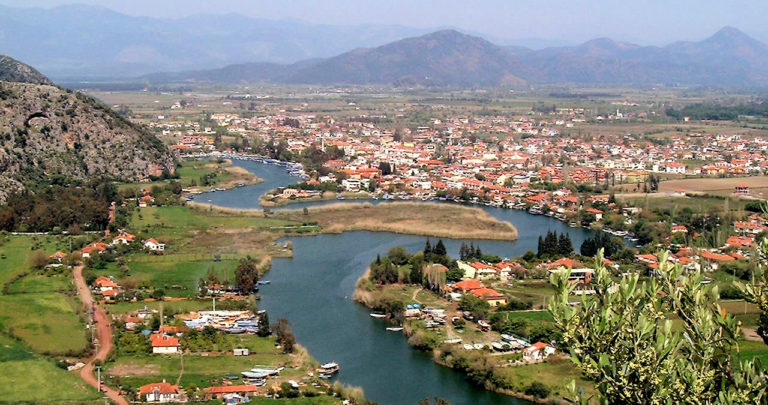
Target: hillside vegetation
[{"x": 50, "y": 135}]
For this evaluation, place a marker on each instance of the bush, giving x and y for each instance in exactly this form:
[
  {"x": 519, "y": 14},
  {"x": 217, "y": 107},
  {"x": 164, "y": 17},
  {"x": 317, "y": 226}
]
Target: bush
[
  {"x": 424, "y": 340},
  {"x": 537, "y": 390},
  {"x": 731, "y": 293}
]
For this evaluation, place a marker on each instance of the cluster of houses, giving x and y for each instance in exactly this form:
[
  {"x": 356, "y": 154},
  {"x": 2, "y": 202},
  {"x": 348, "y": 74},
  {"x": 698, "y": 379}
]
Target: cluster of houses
[
  {"x": 121, "y": 238},
  {"x": 165, "y": 392},
  {"x": 446, "y": 155},
  {"x": 477, "y": 289}
]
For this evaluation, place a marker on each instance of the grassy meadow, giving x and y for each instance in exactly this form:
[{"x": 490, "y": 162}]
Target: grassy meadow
[{"x": 27, "y": 377}]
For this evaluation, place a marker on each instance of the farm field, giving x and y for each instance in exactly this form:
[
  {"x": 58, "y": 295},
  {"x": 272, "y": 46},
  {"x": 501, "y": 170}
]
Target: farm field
[
  {"x": 136, "y": 370},
  {"x": 41, "y": 283},
  {"x": 16, "y": 250},
  {"x": 177, "y": 276},
  {"x": 725, "y": 186},
  {"x": 26, "y": 377},
  {"x": 695, "y": 203},
  {"x": 46, "y": 322},
  {"x": 556, "y": 373}
]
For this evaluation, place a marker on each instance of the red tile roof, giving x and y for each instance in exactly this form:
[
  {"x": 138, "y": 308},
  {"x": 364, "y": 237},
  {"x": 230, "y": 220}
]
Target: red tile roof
[
  {"x": 161, "y": 387},
  {"x": 161, "y": 340},
  {"x": 468, "y": 285}
]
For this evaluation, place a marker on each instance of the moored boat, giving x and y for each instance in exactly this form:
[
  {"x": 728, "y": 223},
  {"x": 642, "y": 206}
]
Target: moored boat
[
  {"x": 378, "y": 315},
  {"x": 327, "y": 370}
]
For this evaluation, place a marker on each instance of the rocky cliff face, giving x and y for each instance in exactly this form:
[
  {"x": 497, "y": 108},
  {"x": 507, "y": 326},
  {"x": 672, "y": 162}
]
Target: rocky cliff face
[{"x": 48, "y": 133}]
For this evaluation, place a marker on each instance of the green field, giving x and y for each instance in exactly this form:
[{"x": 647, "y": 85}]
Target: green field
[
  {"x": 177, "y": 277},
  {"x": 26, "y": 377},
  {"x": 190, "y": 170},
  {"x": 179, "y": 225},
  {"x": 17, "y": 250},
  {"x": 555, "y": 373},
  {"x": 135, "y": 371},
  {"x": 39, "y": 283},
  {"x": 46, "y": 322},
  {"x": 695, "y": 203},
  {"x": 168, "y": 306}
]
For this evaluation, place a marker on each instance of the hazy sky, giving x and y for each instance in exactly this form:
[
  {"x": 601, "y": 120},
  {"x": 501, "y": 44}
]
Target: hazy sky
[{"x": 643, "y": 22}]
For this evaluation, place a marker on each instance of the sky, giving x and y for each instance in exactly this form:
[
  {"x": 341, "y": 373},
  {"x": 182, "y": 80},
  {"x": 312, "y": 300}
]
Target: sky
[{"x": 649, "y": 22}]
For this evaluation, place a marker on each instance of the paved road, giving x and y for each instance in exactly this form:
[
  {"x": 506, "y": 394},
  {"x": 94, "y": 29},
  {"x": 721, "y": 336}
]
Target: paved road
[{"x": 104, "y": 337}]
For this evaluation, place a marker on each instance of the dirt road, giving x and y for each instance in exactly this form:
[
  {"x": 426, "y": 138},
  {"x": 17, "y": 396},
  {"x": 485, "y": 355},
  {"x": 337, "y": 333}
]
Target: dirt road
[{"x": 104, "y": 337}]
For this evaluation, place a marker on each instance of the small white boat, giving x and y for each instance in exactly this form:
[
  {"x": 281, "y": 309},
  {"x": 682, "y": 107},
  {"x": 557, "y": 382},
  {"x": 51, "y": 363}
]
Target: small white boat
[
  {"x": 394, "y": 329},
  {"x": 378, "y": 315},
  {"x": 327, "y": 370}
]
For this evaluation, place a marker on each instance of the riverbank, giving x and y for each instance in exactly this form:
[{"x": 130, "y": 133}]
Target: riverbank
[
  {"x": 500, "y": 372},
  {"x": 225, "y": 176}
]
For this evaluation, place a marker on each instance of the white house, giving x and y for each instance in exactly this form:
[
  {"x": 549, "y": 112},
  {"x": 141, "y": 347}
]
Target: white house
[
  {"x": 164, "y": 344},
  {"x": 153, "y": 245},
  {"x": 676, "y": 168},
  {"x": 161, "y": 392},
  {"x": 538, "y": 351}
]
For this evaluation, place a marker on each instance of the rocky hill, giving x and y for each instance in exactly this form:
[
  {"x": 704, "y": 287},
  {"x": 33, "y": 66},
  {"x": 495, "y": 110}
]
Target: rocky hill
[
  {"x": 48, "y": 134},
  {"x": 12, "y": 70}
]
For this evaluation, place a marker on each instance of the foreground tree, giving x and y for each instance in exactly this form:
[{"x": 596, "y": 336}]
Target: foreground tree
[
  {"x": 246, "y": 275},
  {"x": 622, "y": 338},
  {"x": 284, "y": 333}
]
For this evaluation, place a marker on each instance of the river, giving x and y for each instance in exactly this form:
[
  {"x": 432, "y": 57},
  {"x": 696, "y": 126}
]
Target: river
[{"x": 313, "y": 290}]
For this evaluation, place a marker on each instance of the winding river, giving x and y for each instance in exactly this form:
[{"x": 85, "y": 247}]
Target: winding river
[{"x": 313, "y": 290}]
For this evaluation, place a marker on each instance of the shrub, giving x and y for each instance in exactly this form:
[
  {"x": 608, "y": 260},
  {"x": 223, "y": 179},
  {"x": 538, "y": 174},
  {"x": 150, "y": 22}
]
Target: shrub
[{"x": 537, "y": 390}]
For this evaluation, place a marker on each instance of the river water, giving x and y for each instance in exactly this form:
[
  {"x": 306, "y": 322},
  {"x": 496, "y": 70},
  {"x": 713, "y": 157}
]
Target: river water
[{"x": 313, "y": 290}]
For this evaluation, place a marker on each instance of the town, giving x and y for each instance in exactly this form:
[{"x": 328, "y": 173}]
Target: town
[{"x": 360, "y": 204}]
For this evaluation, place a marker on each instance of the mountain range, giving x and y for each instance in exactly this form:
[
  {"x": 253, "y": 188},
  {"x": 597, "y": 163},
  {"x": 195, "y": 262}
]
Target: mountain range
[
  {"x": 91, "y": 41},
  {"x": 448, "y": 57},
  {"x": 48, "y": 133},
  {"x": 77, "y": 42}
]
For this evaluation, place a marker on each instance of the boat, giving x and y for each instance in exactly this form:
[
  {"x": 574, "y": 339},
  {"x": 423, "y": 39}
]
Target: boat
[
  {"x": 378, "y": 315},
  {"x": 263, "y": 282},
  {"x": 327, "y": 370},
  {"x": 484, "y": 326},
  {"x": 394, "y": 329}
]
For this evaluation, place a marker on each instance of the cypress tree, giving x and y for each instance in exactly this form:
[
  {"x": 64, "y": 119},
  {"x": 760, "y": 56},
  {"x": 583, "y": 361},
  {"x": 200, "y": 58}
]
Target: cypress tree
[
  {"x": 440, "y": 249},
  {"x": 417, "y": 275},
  {"x": 427, "y": 248},
  {"x": 463, "y": 251},
  {"x": 540, "y": 247},
  {"x": 564, "y": 244}
]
